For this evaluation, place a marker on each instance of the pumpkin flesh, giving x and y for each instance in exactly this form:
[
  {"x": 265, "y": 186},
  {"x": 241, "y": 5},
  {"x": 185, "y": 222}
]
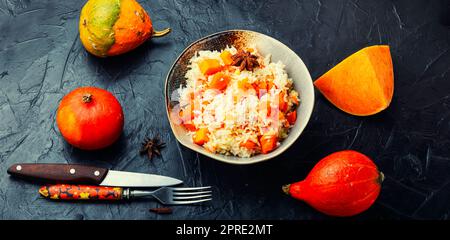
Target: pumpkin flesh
[{"x": 362, "y": 84}]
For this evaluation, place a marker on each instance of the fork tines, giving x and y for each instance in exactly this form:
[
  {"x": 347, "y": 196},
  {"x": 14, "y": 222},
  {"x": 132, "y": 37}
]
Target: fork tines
[{"x": 191, "y": 195}]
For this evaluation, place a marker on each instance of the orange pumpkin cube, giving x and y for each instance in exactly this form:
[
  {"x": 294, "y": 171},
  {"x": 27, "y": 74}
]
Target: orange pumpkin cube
[
  {"x": 249, "y": 144},
  {"x": 209, "y": 66},
  {"x": 226, "y": 57},
  {"x": 201, "y": 136},
  {"x": 268, "y": 143},
  {"x": 219, "y": 81}
]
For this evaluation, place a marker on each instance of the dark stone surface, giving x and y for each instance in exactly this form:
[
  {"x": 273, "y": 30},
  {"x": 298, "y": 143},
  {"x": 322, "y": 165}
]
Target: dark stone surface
[{"x": 41, "y": 59}]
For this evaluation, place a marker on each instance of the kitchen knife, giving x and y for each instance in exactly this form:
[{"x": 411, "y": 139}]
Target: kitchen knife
[{"x": 82, "y": 174}]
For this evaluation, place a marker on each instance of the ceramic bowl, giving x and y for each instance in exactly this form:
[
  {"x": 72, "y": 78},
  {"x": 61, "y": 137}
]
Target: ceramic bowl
[{"x": 295, "y": 68}]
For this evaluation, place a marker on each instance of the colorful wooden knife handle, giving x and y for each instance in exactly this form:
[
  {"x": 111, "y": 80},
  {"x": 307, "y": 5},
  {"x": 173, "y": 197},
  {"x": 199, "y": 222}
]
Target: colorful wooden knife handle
[{"x": 81, "y": 192}]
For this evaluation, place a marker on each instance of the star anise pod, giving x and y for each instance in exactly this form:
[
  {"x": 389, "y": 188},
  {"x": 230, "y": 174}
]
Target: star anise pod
[
  {"x": 152, "y": 146},
  {"x": 245, "y": 60}
]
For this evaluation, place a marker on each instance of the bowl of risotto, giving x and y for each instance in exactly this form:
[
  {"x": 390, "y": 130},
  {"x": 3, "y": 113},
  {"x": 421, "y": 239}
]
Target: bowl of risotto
[{"x": 238, "y": 96}]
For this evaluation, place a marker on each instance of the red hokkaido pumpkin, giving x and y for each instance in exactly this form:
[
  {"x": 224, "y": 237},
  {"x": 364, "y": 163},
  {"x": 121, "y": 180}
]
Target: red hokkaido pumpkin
[
  {"x": 90, "y": 118},
  {"x": 342, "y": 184}
]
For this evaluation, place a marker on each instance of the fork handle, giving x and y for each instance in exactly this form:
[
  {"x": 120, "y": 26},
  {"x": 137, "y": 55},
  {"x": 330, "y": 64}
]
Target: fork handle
[{"x": 81, "y": 192}]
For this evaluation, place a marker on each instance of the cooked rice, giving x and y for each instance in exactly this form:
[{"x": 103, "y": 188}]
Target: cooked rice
[{"x": 234, "y": 116}]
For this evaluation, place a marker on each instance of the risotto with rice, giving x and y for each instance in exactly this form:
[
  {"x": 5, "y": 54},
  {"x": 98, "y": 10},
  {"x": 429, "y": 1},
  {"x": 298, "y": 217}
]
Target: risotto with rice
[{"x": 237, "y": 102}]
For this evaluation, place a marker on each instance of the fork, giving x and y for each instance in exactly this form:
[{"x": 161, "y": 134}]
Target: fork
[
  {"x": 173, "y": 196},
  {"x": 165, "y": 195}
]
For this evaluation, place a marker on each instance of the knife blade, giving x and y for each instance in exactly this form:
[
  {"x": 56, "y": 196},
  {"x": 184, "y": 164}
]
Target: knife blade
[{"x": 83, "y": 174}]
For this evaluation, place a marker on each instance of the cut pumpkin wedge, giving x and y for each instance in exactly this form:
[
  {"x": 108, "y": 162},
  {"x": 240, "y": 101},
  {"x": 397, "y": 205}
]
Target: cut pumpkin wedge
[{"x": 362, "y": 84}]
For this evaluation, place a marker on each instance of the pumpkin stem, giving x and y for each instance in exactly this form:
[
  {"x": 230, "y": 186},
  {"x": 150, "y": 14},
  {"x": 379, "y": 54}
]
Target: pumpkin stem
[
  {"x": 87, "y": 98},
  {"x": 381, "y": 177},
  {"x": 286, "y": 188},
  {"x": 161, "y": 33}
]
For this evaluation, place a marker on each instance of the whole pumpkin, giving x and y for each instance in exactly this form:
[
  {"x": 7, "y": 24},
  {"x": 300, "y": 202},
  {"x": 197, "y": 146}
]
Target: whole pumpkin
[
  {"x": 90, "y": 118},
  {"x": 342, "y": 184},
  {"x": 113, "y": 27}
]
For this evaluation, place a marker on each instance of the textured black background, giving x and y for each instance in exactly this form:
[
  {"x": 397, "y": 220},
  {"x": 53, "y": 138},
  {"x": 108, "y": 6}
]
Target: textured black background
[{"x": 41, "y": 59}]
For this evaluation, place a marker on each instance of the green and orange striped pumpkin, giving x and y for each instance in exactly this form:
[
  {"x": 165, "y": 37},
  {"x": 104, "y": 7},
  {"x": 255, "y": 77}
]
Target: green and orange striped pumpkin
[{"x": 114, "y": 27}]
